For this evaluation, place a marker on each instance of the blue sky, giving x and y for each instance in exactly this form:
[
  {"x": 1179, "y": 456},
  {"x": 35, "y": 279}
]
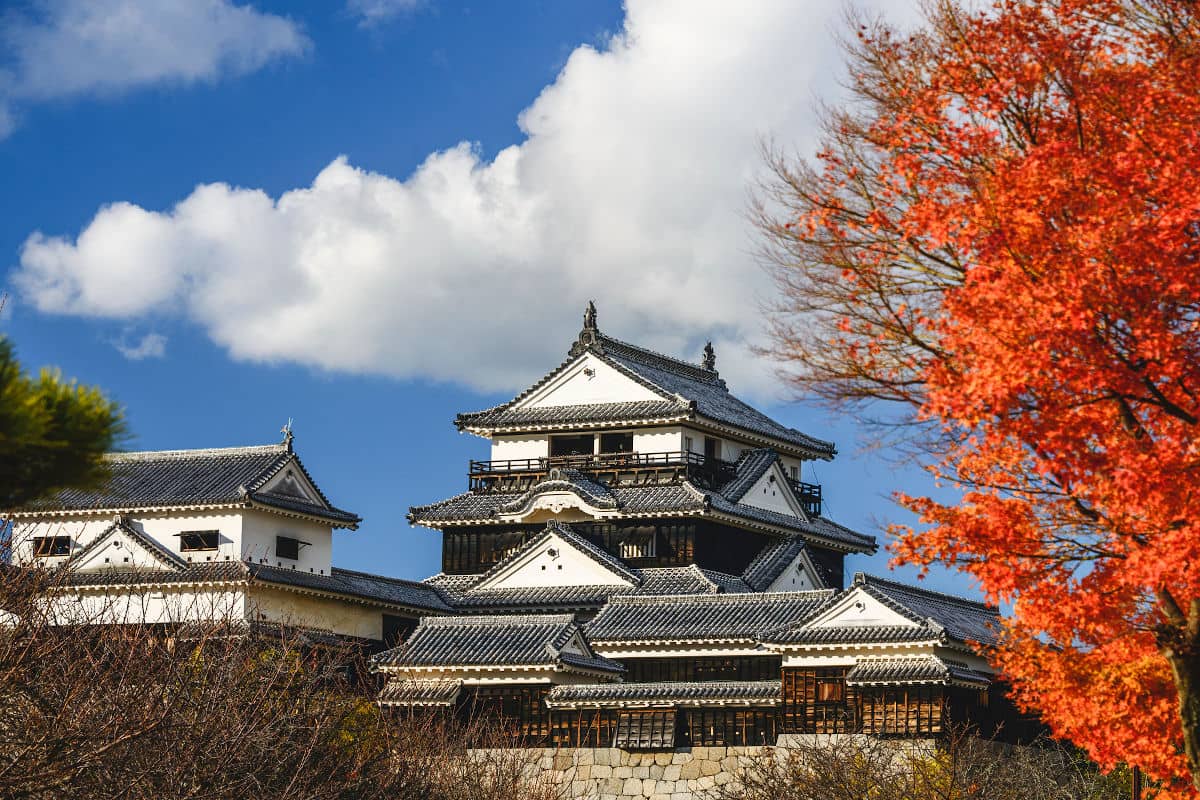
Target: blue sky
[{"x": 371, "y": 215}]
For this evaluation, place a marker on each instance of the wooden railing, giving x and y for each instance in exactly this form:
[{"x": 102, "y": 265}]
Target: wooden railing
[
  {"x": 610, "y": 468},
  {"x": 810, "y": 497}
]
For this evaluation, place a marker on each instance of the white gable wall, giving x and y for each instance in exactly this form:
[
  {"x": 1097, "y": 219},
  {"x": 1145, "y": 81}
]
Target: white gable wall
[
  {"x": 161, "y": 526},
  {"x": 259, "y": 529},
  {"x": 575, "y": 386},
  {"x": 860, "y": 609},
  {"x": 798, "y": 577},
  {"x": 568, "y": 567},
  {"x": 770, "y": 492}
]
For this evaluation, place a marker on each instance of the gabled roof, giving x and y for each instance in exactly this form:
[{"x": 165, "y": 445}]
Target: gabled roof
[
  {"x": 678, "y": 693},
  {"x": 188, "y": 478},
  {"x": 511, "y": 641},
  {"x": 421, "y": 692},
  {"x": 925, "y": 669},
  {"x": 687, "y": 391},
  {"x": 571, "y": 539},
  {"x": 962, "y": 619},
  {"x": 156, "y": 551},
  {"x": 591, "y": 492},
  {"x": 375, "y": 589},
  {"x": 771, "y": 561},
  {"x": 690, "y": 618},
  {"x": 684, "y": 498},
  {"x": 936, "y": 617}
]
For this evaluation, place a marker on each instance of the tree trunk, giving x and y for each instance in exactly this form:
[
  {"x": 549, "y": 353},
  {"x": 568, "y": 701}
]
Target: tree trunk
[{"x": 1185, "y": 666}]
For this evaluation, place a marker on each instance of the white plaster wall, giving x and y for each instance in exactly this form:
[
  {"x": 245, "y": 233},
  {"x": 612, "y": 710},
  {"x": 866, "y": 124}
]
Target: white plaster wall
[
  {"x": 770, "y": 493},
  {"x": 259, "y": 529},
  {"x": 523, "y": 446},
  {"x": 568, "y": 567},
  {"x": 658, "y": 440},
  {"x": 151, "y": 605},
  {"x": 576, "y": 387},
  {"x": 796, "y": 578},
  {"x": 318, "y": 613},
  {"x": 161, "y": 526}
]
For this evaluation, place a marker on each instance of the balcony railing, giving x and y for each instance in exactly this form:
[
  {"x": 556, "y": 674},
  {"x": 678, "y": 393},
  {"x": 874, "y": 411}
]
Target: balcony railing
[
  {"x": 612, "y": 469},
  {"x": 810, "y": 497}
]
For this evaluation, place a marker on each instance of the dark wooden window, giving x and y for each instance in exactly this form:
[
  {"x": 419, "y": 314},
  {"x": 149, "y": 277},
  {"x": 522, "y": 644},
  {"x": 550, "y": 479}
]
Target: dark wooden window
[
  {"x": 199, "y": 540},
  {"x": 712, "y": 448},
  {"x": 901, "y": 710},
  {"x": 804, "y": 710},
  {"x": 616, "y": 443},
  {"x": 287, "y": 547},
  {"x": 593, "y": 727},
  {"x": 743, "y": 668},
  {"x": 518, "y": 710},
  {"x": 572, "y": 445},
  {"x": 717, "y": 727},
  {"x": 45, "y": 546}
]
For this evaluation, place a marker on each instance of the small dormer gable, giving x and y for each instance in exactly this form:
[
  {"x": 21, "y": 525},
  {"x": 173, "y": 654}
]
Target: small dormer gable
[
  {"x": 292, "y": 482},
  {"x": 587, "y": 380},
  {"x": 800, "y": 575},
  {"x": 860, "y": 609},
  {"x": 557, "y": 557},
  {"x": 122, "y": 547},
  {"x": 772, "y": 492}
]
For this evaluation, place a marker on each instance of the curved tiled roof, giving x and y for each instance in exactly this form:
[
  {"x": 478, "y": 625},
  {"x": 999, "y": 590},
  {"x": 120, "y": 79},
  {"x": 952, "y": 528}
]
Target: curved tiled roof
[
  {"x": 964, "y": 620},
  {"x": 858, "y": 634},
  {"x": 771, "y": 561},
  {"x": 701, "y": 693},
  {"x": 687, "y": 391},
  {"x": 925, "y": 669},
  {"x": 714, "y": 617},
  {"x": 591, "y": 492},
  {"x": 419, "y": 597},
  {"x": 420, "y": 693},
  {"x": 523, "y": 640},
  {"x": 183, "y": 478}
]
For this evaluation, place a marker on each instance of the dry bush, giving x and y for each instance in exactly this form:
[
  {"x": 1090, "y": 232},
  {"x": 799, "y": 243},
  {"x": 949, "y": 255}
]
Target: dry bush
[
  {"x": 108, "y": 709},
  {"x": 961, "y": 767}
]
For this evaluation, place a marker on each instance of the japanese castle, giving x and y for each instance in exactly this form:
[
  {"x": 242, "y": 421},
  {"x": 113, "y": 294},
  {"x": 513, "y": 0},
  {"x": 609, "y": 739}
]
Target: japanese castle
[{"x": 641, "y": 563}]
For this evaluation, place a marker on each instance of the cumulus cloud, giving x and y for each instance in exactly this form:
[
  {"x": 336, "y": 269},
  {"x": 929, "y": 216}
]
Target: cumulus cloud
[
  {"x": 70, "y": 47},
  {"x": 152, "y": 345},
  {"x": 373, "y": 12},
  {"x": 630, "y": 187}
]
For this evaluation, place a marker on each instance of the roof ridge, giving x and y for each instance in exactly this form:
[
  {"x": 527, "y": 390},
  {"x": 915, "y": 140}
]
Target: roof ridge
[
  {"x": 866, "y": 580},
  {"x": 484, "y": 620},
  {"x": 728, "y": 597},
  {"x": 655, "y": 358},
  {"x": 150, "y": 455},
  {"x": 388, "y": 578}
]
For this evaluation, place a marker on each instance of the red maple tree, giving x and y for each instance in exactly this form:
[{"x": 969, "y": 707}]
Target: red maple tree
[{"x": 1002, "y": 233}]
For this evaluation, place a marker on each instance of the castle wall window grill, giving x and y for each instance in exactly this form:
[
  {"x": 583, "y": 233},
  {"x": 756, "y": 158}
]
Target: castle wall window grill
[
  {"x": 48, "y": 546},
  {"x": 640, "y": 544},
  {"x": 616, "y": 443},
  {"x": 190, "y": 541}
]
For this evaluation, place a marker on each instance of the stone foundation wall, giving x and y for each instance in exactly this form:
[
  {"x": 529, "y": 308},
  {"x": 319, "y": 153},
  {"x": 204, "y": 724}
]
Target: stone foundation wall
[{"x": 606, "y": 773}]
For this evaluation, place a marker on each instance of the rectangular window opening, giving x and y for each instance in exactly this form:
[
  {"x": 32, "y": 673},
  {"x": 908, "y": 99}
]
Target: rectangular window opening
[
  {"x": 572, "y": 445},
  {"x": 199, "y": 540},
  {"x": 287, "y": 547},
  {"x": 48, "y": 546},
  {"x": 616, "y": 443}
]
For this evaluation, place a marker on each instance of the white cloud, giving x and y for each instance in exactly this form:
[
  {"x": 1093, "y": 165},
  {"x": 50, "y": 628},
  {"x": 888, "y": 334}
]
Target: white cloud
[
  {"x": 373, "y": 12},
  {"x": 152, "y": 345},
  {"x": 70, "y": 47},
  {"x": 629, "y": 188}
]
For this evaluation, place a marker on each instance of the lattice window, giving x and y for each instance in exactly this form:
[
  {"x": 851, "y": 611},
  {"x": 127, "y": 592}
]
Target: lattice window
[{"x": 645, "y": 730}]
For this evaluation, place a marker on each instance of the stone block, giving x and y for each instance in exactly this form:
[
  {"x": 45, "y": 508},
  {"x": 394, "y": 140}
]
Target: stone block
[
  {"x": 603, "y": 756},
  {"x": 648, "y": 788},
  {"x": 584, "y": 756},
  {"x": 654, "y": 771},
  {"x": 641, "y": 772},
  {"x": 611, "y": 786},
  {"x": 583, "y": 771},
  {"x": 722, "y": 778},
  {"x": 632, "y": 787},
  {"x": 680, "y": 758},
  {"x": 563, "y": 761},
  {"x": 622, "y": 772},
  {"x": 671, "y": 772},
  {"x": 729, "y": 763},
  {"x": 662, "y": 759},
  {"x": 705, "y": 783},
  {"x": 601, "y": 771},
  {"x": 690, "y": 770},
  {"x": 710, "y": 767}
]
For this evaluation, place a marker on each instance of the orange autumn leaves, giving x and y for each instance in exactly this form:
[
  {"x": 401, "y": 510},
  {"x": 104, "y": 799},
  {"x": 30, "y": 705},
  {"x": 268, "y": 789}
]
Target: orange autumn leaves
[{"x": 1003, "y": 233}]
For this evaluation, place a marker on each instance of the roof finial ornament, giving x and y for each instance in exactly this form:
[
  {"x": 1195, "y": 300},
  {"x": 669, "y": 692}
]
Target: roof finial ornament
[
  {"x": 710, "y": 358},
  {"x": 589, "y": 337},
  {"x": 288, "y": 436}
]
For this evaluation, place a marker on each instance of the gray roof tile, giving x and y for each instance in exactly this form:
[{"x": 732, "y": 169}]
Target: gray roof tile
[
  {"x": 715, "y": 617},
  {"x": 685, "y": 389},
  {"x": 751, "y": 466},
  {"x": 860, "y": 634},
  {"x": 420, "y": 693},
  {"x": 771, "y": 561},
  {"x": 964, "y": 620},
  {"x": 524, "y": 640},
  {"x": 701, "y": 693},
  {"x": 376, "y": 588},
  {"x": 926, "y": 669},
  {"x": 183, "y": 478}
]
